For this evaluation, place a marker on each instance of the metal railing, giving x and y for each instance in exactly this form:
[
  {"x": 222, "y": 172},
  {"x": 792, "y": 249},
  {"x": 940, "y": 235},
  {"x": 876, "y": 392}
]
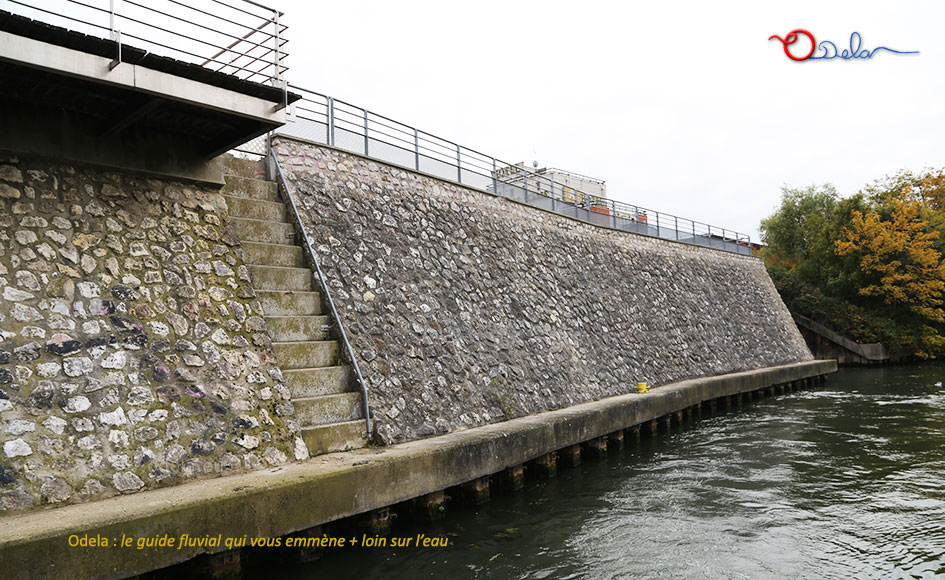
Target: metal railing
[
  {"x": 237, "y": 37},
  {"x": 320, "y": 278},
  {"x": 323, "y": 119}
]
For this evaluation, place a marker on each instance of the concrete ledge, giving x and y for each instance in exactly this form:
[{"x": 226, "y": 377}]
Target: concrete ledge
[
  {"x": 62, "y": 60},
  {"x": 301, "y": 495},
  {"x": 862, "y": 352}
]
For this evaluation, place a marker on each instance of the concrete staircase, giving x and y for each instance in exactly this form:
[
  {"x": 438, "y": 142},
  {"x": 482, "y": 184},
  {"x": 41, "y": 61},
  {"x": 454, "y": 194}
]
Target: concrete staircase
[{"x": 326, "y": 401}]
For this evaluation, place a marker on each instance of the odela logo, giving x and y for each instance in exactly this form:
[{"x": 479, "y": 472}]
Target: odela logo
[{"x": 827, "y": 50}]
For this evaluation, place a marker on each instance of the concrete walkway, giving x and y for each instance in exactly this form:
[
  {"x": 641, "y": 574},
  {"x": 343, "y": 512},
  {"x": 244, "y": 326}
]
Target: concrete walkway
[{"x": 298, "y": 496}]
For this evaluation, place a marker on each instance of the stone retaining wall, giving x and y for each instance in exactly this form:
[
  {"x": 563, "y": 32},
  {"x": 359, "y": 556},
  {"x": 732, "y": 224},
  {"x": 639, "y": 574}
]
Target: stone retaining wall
[
  {"x": 465, "y": 308},
  {"x": 132, "y": 352}
]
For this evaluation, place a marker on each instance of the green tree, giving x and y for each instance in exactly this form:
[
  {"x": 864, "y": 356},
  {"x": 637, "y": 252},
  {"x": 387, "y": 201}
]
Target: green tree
[
  {"x": 871, "y": 265},
  {"x": 798, "y": 233}
]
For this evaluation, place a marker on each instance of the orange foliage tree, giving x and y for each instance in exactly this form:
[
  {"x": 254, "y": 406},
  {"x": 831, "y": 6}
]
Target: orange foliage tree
[{"x": 902, "y": 266}]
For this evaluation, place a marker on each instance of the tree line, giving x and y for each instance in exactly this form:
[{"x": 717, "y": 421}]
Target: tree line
[{"x": 869, "y": 266}]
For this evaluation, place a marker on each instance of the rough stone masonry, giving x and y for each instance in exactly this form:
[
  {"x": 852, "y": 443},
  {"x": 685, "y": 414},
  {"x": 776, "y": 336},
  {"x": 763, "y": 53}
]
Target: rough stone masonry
[
  {"x": 132, "y": 351},
  {"x": 465, "y": 308}
]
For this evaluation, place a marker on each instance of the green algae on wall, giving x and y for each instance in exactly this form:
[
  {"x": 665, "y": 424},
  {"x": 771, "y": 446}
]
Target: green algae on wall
[{"x": 132, "y": 350}]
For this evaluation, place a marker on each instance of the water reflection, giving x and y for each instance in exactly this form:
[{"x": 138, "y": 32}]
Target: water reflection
[{"x": 845, "y": 481}]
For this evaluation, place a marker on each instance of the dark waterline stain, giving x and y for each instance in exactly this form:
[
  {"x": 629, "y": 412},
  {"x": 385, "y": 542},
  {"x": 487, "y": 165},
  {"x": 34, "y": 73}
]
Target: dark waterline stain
[{"x": 846, "y": 480}]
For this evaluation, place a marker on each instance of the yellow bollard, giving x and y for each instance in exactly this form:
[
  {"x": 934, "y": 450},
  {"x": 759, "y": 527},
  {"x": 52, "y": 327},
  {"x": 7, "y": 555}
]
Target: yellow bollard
[{"x": 642, "y": 388}]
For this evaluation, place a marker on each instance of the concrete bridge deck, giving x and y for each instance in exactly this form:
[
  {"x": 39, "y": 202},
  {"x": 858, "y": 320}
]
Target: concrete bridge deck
[{"x": 298, "y": 496}]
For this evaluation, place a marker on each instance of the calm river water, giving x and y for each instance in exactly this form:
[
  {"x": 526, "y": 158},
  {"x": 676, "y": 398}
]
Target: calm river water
[{"x": 843, "y": 481}]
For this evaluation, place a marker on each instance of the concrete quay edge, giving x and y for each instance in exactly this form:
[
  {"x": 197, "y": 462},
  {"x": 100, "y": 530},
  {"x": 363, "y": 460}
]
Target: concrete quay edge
[{"x": 283, "y": 500}]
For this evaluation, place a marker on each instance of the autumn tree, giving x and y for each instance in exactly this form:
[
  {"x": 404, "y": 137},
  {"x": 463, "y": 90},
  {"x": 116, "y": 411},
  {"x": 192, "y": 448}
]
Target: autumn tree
[
  {"x": 868, "y": 266},
  {"x": 901, "y": 264}
]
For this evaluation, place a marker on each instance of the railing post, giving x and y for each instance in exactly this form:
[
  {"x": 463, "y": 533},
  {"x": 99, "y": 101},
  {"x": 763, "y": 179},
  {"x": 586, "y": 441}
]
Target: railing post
[
  {"x": 114, "y": 35},
  {"x": 657, "y": 224},
  {"x": 613, "y": 211},
  {"x": 275, "y": 56},
  {"x": 525, "y": 177},
  {"x": 365, "y": 133},
  {"x": 552, "y": 195},
  {"x": 676, "y": 225},
  {"x": 587, "y": 204},
  {"x": 459, "y": 166},
  {"x": 416, "y": 149},
  {"x": 495, "y": 178},
  {"x": 331, "y": 121},
  {"x": 277, "y": 62}
]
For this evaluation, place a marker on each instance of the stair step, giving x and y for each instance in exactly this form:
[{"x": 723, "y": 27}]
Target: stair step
[
  {"x": 251, "y": 188},
  {"x": 288, "y": 303},
  {"x": 267, "y": 232},
  {"x": 254, "y": 168},
  {"x": 296, "y": 328},
  {"x": 336, "y": 437},
  {"x": 255, "y": 208},
  {"x": 327, "y": 409},
  {"x": 280, "y": 278},
  {"x": 306, "y": 354},
  {"x": 315, "y": 382},
  {"x": 272, "y": 254}
]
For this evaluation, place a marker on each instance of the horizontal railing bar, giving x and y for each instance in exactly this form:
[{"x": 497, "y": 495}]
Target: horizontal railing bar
[
  {"x": 90, "y": 6},
  {"x": 371, "y": 113},
  {"x": 71, "y": 18},
  {"x": 171, "y": 32},
  {"x": 303, "y": 89},
  {"x": 253, "y": 59},
  {"x": 239, "y": 40},
  {"x": 256, "y": 4},
  {"x": 249, "y": 57},
  {"x": 218, "y": 17},
  {"x": 427, "y": 147},
  {"x": 314, "y": 112},
  {"x": 223, "y": 64}
]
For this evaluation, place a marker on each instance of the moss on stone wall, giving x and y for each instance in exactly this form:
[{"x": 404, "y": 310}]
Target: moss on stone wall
[
  {"x": 133, "y": 353},
  {"x": 465, "y": 308}
]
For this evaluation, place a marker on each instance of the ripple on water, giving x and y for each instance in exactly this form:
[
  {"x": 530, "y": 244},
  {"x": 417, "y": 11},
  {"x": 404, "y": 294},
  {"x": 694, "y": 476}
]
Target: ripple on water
[{"x": 842, "y": 482}]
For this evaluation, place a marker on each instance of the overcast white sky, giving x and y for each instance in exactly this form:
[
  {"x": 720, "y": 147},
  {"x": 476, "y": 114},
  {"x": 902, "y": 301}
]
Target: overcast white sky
[{"x": 683, "y": 107}]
